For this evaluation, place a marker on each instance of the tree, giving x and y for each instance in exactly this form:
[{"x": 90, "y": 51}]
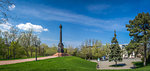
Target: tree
[
  {"x": 16, "y": 45},
  {"x": 7, "y": 42},
  {"x": 49, "y": 50},
  {"x": 13, "y": 39},
  {"x": 107, "y": 49},
  {"x": 83, "y": 52},
  {"x": 133, "y": 47},
  {"x": 70, "y": 50},
  {"x": 5, "y": 6},
  {"x": 75, "y": 52},
  {"x": 91, "y": 49},
  {"x": 37, "y": 44},
  {"x": 43, "y": 46},
  {"x": 30, "y": 40},
  {"x": 24, "y": 42},
  {"x": 96, "y": 49},
  {"x": 3, "y": 49},
  {"x": 115, "y": 50},
  {"x": 27, "y": 40},
  {"x": 52, "y": 50},
  {"x": 139, "y": 29}
]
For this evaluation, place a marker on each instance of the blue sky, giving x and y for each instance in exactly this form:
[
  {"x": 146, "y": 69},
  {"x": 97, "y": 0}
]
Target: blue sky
[{"x": 81, "y": 19}]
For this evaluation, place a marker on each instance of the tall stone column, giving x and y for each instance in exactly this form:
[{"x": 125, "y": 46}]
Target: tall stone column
[{"x": 60, "y": 45}]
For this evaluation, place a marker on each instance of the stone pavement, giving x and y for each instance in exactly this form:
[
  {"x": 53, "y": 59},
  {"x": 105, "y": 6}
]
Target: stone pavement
[
  {"x": 106, "y": 64},
  {"x": 5, "y": 62}
]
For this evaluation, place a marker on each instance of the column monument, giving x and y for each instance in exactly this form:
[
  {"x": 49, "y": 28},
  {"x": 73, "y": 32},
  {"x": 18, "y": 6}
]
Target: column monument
[{"x": 60, "y": 45}]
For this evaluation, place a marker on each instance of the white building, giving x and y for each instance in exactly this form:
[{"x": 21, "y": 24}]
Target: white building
[{"x": 125, "y": 53}]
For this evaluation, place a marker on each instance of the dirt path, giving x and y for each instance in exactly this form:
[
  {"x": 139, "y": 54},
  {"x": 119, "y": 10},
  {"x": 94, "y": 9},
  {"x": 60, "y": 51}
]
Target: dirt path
[
  {"x": 24, "y": 60},
  {"x": 127, "y": 62}
]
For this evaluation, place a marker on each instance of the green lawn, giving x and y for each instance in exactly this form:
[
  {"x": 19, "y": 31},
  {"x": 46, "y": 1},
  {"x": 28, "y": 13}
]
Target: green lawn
[
  {"x": 19, "y": 58},
  {"x": 69, "y": 63}
]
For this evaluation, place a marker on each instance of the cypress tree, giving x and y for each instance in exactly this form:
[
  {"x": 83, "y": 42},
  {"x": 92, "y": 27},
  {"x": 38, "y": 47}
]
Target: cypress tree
[{"x": 115, "y": 51}]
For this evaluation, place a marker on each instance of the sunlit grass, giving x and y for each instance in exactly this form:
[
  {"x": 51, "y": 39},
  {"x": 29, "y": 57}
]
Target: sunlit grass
[{"x": 69, "y": 63}]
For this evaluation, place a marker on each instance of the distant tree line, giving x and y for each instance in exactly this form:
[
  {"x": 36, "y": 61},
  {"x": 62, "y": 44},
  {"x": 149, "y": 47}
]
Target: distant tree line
[
  {"x": 90, "y": 49},
  {"x": 17, "y": 44}
]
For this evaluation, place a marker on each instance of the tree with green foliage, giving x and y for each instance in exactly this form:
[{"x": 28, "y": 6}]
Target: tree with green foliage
[
  {"x": 92, "y": 49},
  {"x": 43, "y": 46},
  {"x": 14, "y": 44},
  {"x": 75, "y": 52},
  {"x": 115, "y": 51},
  {"x": 49, "y": 50},
  {"x": 13, "y": 40},
  {"x": 83, "y": 52},
  {"x": 133, "y": 47},
  {"x": 70, "y": 49},
  {"x": 139, "y": 29},
  {"x": 6, "y": 36},
  {"x": 107, "y": 49},
  {"x": 3, "y": 48},
  {"x": 23, "y": 41},
  {"x": 95, "y": 48}
]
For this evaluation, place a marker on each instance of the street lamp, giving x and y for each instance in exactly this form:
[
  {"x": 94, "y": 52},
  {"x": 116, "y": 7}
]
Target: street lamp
[
  {"x": 36, "y": 52},
  {"x": 37, "y": 44},
  {"x": 43, "y": 51}
]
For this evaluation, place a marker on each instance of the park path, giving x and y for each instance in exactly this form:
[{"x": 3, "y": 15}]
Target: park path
[
  {"x": 106, "y": 64},
  {"x": 24, "y": 60}
]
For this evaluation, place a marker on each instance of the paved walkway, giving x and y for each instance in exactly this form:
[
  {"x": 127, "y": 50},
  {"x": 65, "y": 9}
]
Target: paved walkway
[
  {"x": 106, "y": 64},
  {"x": 24, "y": 60}
]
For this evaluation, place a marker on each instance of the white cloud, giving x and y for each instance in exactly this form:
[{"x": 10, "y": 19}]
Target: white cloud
[
  {"x": 11, "y": 7},
  {"x": 45, "y": 29},
  {"x": 93, "y": 30},
  {"x": 5, "y": 27},
  {"x": 52, "y": 14},
  {"x": 27, "y": 26},
  {"x": 98, "y": 7}
]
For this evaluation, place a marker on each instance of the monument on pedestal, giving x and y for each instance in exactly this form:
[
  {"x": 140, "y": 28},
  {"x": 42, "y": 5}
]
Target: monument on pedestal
[{"x": 60, "y": 45}]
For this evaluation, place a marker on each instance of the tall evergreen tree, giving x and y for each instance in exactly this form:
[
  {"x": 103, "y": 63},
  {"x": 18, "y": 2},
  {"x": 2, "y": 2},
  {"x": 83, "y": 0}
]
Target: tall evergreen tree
[
  {"x": 139, "y": 29},
  {"x": 115, "y": 51}
]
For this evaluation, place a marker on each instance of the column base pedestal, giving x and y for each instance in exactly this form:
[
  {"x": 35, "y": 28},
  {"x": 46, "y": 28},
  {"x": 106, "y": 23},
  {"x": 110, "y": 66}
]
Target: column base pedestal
[{"x": 61, "y": 54}]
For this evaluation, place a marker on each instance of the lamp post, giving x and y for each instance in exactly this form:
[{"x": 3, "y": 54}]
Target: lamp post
[
  {"x": 36, "y": 52},
  {"x": 37, "y": 44},
  {"x": 35, "y": 39},
  {"x": 43, "y": 52}
]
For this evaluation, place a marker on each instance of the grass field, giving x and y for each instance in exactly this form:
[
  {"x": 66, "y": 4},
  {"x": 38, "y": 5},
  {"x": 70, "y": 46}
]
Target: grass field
[
  {"x": 19, "y": 58},
  {"x": 69, "y": 63}
]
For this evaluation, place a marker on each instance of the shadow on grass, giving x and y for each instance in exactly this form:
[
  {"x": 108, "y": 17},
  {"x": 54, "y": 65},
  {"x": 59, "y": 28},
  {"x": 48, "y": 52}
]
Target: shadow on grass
[
  {"x": 138, "y": 64},
  {"x": 118, "y": 65}
]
